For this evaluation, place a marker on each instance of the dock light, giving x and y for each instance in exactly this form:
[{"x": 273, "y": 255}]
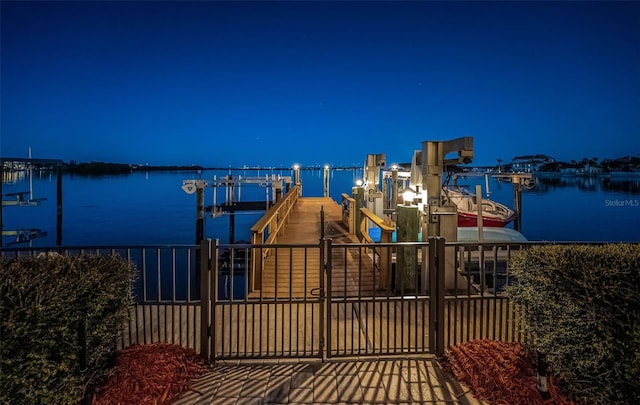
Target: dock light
[
  {"x": 359, "y": 182},
  {"x": 296, "y": 174},
  {"x": 394, "y": 167},
  {"x": 326, "y": 166}
]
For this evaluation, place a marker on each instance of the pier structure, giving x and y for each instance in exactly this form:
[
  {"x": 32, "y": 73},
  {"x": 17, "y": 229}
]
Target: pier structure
[
  {"x": 275, "y": 186},
  {"x": 227, "y": 197},
  {"x": 316, "y": 288},
  {"x": 292, "y": 219},
  {"x": 312, "y": 282},
  {"x": 423, "y": 211},
  {"x": 302, "y": 222},
  {"x": 27, "y": 199},
  {"x": 400, "y": 186}
]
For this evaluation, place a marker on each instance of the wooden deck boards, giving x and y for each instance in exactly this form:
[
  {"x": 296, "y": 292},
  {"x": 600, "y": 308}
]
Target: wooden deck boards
[{"x": 294, "y": 272}]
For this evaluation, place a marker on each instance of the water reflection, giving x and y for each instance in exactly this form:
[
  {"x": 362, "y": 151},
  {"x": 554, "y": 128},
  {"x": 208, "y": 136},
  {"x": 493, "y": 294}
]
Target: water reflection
[
  {"x": 152, "y": 208},
  {"x": 13, "y": 176},
  {"x": 623, "y": 186},
  {"x": 629, "y": 184}
]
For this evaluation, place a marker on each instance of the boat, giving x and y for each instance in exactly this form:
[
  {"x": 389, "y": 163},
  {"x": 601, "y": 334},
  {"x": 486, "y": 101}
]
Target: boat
[
  {"x": 493, "y": 214},
  {"x": 469, "y": 234}
]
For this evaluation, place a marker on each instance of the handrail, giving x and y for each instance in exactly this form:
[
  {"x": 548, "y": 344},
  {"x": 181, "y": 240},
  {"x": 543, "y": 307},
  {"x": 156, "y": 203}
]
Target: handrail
[
  {"x": 272, "y": 222},
  {"x": 385, "y": 226},
  {"x": 386, "y": 236},
  {"x": 274, "y": 213}
]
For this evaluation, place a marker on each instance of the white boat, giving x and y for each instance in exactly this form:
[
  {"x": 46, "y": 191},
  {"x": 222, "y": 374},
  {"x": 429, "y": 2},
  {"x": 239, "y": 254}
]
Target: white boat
[{"x": 492, "y": 235}]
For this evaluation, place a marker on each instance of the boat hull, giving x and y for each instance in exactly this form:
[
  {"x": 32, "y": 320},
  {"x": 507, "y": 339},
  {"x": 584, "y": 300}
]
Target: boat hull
[{"x": 466, "y": 219}]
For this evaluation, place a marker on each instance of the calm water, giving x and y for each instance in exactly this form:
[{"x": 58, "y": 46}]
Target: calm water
[{"x": 151, "y": 208}]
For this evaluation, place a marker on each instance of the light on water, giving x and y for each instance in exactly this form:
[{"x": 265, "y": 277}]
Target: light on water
[{"x": 151, "y": 208}]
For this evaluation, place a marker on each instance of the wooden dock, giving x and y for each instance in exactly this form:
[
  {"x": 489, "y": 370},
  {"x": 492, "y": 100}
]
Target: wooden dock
[
  {"x": 294, "y": 272},
  {"x": 286, "y": 314}
]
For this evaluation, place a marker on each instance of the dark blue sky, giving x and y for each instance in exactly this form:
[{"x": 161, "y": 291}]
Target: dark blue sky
[{"x": 219, "y": 83}]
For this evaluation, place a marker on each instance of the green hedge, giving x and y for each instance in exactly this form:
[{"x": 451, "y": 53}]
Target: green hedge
[
  {"x": 582, "y": 309},
  {"x": 44, "y": 301}
]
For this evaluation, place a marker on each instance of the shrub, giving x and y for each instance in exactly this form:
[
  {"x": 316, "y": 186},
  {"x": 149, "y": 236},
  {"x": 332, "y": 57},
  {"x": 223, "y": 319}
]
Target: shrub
[
  {"x": 44, "y": 302},
  {"x": 582, "y": 309}
]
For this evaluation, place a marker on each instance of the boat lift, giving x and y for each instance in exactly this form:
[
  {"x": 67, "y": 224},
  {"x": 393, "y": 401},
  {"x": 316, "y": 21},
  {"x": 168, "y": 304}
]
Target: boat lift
[
  {"x": 231, "y": 203},
  {"x": 519, "y": 182},
  {"x": 400, "y": 184},
  {"x": 24, "y": 235},
  {"x": 26, "y": 199},
  {"x": 20, "y": 199},
  {"x": 233, "y": 185},
  {"x": 423, "y": 207}
]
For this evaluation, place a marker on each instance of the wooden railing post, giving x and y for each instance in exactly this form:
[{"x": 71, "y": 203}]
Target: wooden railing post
[
  {"x": 362, "y": 231},
  {"x": 386, "y": 236},
  {"x": 358, "y": 196}
]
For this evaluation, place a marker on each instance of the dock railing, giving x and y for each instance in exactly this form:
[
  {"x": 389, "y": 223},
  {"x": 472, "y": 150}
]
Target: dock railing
[
  {"x": 382, "y": 256},
  {"x": 267, "y": 231}
]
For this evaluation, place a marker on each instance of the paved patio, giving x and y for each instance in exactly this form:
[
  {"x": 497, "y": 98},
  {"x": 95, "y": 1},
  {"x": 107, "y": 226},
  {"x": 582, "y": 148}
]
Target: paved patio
[{"x": 353, "y": 381}]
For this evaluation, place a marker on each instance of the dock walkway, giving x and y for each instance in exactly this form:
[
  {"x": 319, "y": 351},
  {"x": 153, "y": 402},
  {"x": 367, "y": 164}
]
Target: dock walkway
[{"x": 294, "y": 272}]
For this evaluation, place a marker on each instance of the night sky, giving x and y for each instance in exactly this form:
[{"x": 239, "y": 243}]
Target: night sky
[{"x": 243, "y": 83}]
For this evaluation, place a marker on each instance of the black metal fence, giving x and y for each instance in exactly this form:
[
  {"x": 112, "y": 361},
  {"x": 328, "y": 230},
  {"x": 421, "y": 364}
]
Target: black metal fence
[
  {"x": 166, "y": 291},
  {"x": 341, "y": 306},
  {"x": 330, "y": 302}
]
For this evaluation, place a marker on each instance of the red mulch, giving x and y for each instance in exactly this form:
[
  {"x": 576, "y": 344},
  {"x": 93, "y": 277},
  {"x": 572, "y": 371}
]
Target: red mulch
[
  {"x": 149, "y": 374},
  {"x": 499, "y": 373}
]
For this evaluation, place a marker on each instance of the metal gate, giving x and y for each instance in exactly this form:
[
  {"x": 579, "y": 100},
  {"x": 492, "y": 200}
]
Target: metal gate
[
  {"x": 369, "y": 316},
  {"x": 327, "y": 303},
  {"x": 282, "y": 318}
]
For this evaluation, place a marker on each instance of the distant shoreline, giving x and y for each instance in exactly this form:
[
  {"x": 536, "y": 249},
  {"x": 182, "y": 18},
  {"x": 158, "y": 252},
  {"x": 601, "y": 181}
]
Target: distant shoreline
[
  {"x": 108, "y": 168},
  {"x": 105, "y": 168}
]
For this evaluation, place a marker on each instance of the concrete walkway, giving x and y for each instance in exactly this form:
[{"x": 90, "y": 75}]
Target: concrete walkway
[{"x": 357, "y": 381}]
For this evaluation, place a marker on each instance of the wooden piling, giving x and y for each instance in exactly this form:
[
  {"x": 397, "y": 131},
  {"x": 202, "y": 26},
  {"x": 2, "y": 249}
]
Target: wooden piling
[{"x": 407, "y": 257}]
